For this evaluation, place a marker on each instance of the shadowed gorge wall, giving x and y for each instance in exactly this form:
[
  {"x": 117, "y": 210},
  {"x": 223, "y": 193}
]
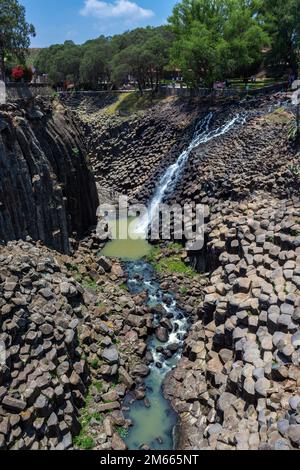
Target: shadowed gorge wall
[{"x": 46, "y": 188}]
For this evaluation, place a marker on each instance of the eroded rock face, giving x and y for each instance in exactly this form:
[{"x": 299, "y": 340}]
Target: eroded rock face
[
  {"x": 46, "y": 188},
  {"x": 129, "y": 152}
]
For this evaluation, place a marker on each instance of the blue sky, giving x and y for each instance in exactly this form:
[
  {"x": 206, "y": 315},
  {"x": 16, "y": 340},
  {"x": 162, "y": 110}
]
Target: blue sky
[{"x": 79, "y": 20}]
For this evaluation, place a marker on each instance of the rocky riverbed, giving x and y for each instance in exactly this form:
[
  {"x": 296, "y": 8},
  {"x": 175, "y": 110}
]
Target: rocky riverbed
[{"x": 70, "y": 332}]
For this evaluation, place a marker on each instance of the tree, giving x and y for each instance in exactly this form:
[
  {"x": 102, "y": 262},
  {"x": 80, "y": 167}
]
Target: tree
[
  {"x": 15, "y": 32},
  {"x": 282, "y": 18},
  {"x": 216, "y": 38},
  {"x": 95, "y": 63},
  {"x": 61, "y": 62},
  {"x": 245, "y": 37},
  {"x": 66, "y": 63},
  {"x": 197, "y": 54},
  {"x": 142, "y": 53},
  {"x": 158, "y": 47}
]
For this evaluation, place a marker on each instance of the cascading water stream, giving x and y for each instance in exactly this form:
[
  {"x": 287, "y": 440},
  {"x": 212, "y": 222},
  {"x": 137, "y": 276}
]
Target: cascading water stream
[{"x": 168, "y": 181}]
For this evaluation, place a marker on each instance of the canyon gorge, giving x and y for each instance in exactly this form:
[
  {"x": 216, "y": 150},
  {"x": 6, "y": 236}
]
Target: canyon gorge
[{"x": 203, "y": 346}]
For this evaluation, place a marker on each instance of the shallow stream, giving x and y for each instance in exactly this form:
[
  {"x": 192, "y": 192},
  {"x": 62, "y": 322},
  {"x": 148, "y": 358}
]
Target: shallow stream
[{"x": 154, "y": 425}]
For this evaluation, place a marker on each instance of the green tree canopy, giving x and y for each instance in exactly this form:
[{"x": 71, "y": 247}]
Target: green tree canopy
[
  {"x": 95, "y": 63},
  {"x": 282, "y": 19},
  {"x": 142, "y": 53},
  {"x": 15, "y": 32},
  {"x": 216, "y": 38}
]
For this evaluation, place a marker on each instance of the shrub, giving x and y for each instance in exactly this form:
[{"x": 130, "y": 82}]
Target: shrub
[
  {"x": 17, "y": 73},
  {"x": 21, "y": 72}
]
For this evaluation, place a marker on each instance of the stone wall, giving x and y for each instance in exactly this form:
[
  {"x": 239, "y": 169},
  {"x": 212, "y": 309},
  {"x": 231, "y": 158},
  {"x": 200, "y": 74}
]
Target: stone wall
[{"x": 17, "y": 91}]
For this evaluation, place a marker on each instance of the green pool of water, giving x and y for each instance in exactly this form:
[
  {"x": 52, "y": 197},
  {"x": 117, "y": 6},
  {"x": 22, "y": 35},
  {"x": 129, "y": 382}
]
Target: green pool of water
[
  {"x": 152, "y": 426},
  {"x": 126, "y": 245}
]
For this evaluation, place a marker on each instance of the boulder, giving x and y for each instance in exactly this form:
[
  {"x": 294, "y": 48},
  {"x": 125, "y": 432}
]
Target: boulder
[
  {"x": 294, "y": 434},
  {"x": 110, "y": 355},
  {"x": 105, "y": 264},
  {"x": 162, "y": 334},
  {"x": 13, "y": 404}
]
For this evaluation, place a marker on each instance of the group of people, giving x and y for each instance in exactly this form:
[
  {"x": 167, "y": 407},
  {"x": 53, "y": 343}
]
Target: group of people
[{"x": 227, "y": 83}]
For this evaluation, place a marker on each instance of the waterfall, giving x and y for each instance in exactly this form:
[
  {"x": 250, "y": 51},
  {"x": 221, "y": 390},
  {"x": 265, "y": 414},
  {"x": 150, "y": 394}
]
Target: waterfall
[{"x": 169, "y": 180}]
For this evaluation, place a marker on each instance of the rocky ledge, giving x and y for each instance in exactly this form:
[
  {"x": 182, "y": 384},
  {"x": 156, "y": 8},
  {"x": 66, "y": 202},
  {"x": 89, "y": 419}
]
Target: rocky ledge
[{"x": 238, "y": 383}]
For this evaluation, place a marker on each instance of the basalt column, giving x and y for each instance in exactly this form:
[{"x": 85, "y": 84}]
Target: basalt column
[{"x": 46, "y": 188}]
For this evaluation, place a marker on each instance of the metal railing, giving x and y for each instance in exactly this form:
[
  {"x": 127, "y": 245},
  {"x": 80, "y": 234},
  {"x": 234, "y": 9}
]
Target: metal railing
[
  {"x": 222, "y": 93},
  {"x": 15, "y": 91}
]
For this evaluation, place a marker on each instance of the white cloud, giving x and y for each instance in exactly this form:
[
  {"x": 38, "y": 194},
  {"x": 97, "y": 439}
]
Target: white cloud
[{"x": 117, "y": 9}]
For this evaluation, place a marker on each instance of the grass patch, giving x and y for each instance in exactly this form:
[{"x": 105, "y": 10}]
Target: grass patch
[
  {"x": 154, "y": 253},
  {"x": 84, "y": 441},
  {"x": 113, "y": 108},
  {"x": 279, "y": 116},
  {"x": 123, "y": 432},
  {"x": 75, "y": 152},
  {"x": 91, "y": 284},
  {"x": 170, "y": 263},
  {"x": 132, "y": 102},
  {"x": 95, "y": 364},
  {"x": 271, "y": 239},
  {"x": 98, "y": 386},
  {"x": 175, "y": 246},
  {"x": 75, "y": 272},
  {"x": 239, "y": 83},
  {"x": 295, "y": 170},
  {"x": 78, "y": 278}
]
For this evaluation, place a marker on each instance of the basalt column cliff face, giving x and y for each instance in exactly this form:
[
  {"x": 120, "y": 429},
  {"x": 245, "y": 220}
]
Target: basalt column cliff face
[{"x": 46, "y": 189}]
